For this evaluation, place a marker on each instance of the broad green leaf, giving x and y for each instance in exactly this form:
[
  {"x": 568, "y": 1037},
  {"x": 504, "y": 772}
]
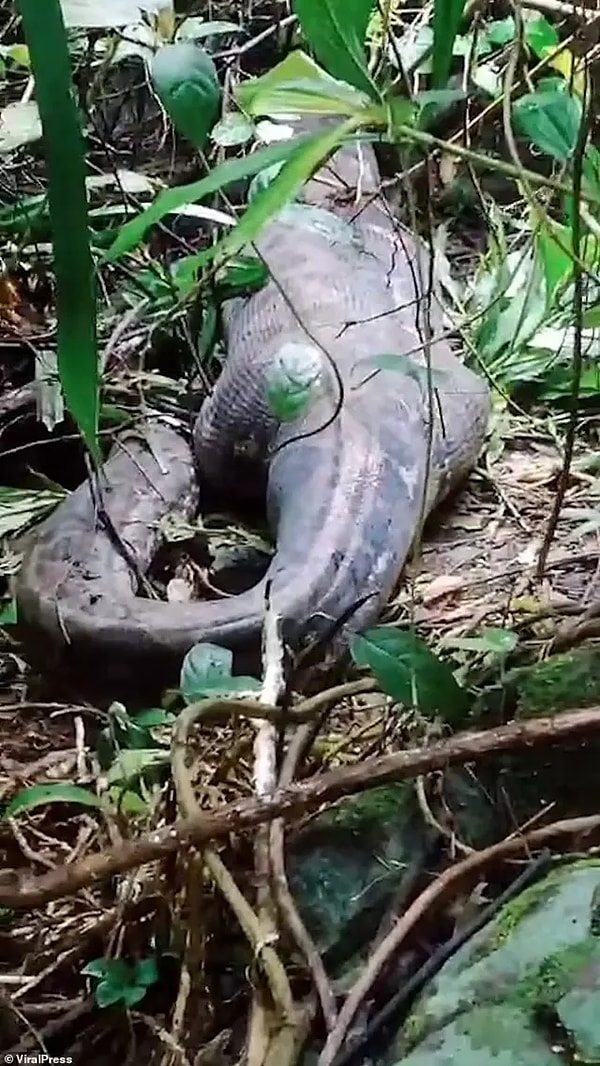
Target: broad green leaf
[
  {"x": 409, "y": 672},
  {"x": 294, "y": 380},
  {"x": 554, "y": 245},
  {"x": 108, "y": 993},
  {"x": 66, "y": 171},
  {"x": 551, "y": 120},
  {"x": 18, "y": 53},
  {"x": 8, "y": 613},
  {"x": 314, "y": 98},
  {"x": 500, "y": 31},
  {"x": 116, "y": 969},
  {"x": 434, "y": 102},
  {"x": 128, "y": 802},
  {"x": 241, "y": 275},
  {"x": 543, "y": 39},
  {"x": 541, "y": 36},
  {"x": 591, "y": 171},
  {"x": 336, "y": 31},
  {"x": 133, "y": 994},
  {"x": 132, "y": 763},
  {"x": 186, "y": 81},
  {"x": 558, "y": 383},
  {"x": 146, "y": 971},
  {"x": 591, "y": 318},
  {"x": 493, "y": 641},
  {"x": 41, "y": 795},
  {"x": 206, "y": 673},
  {"x": 298, "y": 84},
  {"x": 153, "y": 718},
  {"x": 447, "y": 15},
  {"x": 172, "y": 200}
]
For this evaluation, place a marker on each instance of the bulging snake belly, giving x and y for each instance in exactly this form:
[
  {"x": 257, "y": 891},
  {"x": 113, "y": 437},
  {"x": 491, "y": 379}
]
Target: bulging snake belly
[{"x": 349, "y": 480}]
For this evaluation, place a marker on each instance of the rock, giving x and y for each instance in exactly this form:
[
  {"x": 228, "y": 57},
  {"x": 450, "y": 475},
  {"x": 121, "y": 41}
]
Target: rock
[{"x": 522, "y": 990}]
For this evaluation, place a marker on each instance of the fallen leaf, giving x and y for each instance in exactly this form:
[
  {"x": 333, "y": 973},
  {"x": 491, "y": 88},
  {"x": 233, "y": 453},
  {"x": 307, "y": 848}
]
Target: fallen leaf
[{"x": 442, "y": 586}]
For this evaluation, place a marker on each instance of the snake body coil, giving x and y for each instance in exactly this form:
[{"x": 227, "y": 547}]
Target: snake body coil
[{"x": 345, "y": 495}]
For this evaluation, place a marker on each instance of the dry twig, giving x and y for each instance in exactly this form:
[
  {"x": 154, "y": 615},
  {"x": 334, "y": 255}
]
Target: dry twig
[{"x": 19, "y": 890}]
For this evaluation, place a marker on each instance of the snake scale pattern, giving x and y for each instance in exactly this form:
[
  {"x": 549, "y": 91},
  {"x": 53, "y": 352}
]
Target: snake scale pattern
[{"x": 347, "y": 484}]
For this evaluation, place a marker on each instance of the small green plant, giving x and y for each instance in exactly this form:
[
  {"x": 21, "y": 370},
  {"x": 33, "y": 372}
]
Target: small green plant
[
  {"x": 120, "y": 981},
  {"x": 410, "y": 672}
]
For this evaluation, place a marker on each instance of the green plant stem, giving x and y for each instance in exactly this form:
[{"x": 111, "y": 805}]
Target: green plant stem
[{"x": 499, "y": 165}]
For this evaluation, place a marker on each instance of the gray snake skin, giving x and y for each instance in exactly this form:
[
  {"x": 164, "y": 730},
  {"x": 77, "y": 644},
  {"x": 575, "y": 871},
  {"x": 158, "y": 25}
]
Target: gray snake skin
[{"x": 343, "y": 502}]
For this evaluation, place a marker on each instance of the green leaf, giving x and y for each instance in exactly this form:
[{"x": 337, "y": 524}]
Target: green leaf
[
  {"x": 100, "y": 967},
  {"x": 500, "y": 31},
  {"x": 19, "y": 54},
  {"x": 294, "y": 380},
  {"x": 591, "y": 171},
  {"x": 541, "y": 36},
  {"x": 131, "y": 804},
  {"x": 8, "y": 613},
  {"x": 206, "y": 673},
  {"x": 41, "y": 795},
  {"x": 551, "y": 120},
  {"x": 146, "y": 971},
  {"x": 107, "y": 994},
  {"x": 187, "y": 83},
  {"x": 591, "y": 317},
  {"x": 172, "y": 200},
  {"x": 133, "y": 763},
  {"x": 241, "y": 275},
  {"x": 66, "y": 170},
  {"x": 133, "y": 994},
  {"x": 493, "y": 641},
  {"x": 298, "y": 84},
  {"x": 447, "y": 16},
  {"x": 434, "y": 102},
  {"x": 409, "y": 672},
  {"x": 153, "y": 718},
  {"x": 554, "y": 245},
  {"x": 336, "y": 31}
]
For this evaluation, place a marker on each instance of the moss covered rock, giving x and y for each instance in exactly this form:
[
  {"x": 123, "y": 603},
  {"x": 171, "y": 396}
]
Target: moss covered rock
[{"x": 522, "y": 989}]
